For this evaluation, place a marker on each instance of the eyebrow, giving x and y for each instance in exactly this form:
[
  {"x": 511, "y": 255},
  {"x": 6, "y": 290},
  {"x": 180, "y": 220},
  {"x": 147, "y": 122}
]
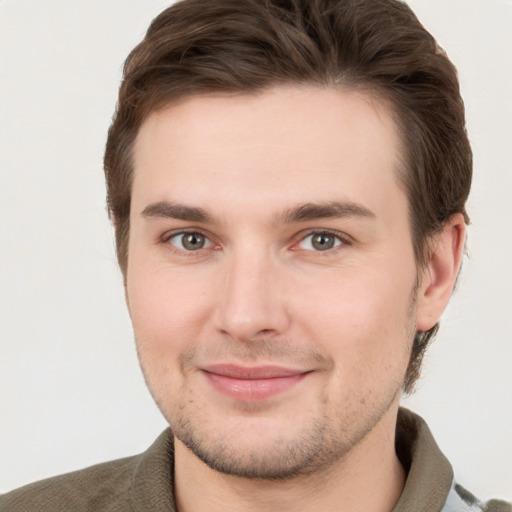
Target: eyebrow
[
  {"x": 300, "y": 213},
  {"x": 168, "y": 210},
  {"x": 333, "y": 210}
]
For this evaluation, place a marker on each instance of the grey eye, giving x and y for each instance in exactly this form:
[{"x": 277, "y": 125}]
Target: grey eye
[
  {"x": 320, "y": 242},
  {"x": 190, "y": 241}
]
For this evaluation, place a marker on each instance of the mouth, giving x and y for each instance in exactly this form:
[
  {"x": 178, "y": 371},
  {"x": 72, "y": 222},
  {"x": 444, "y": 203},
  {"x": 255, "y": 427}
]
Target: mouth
[{"x": 252, "y": 383}]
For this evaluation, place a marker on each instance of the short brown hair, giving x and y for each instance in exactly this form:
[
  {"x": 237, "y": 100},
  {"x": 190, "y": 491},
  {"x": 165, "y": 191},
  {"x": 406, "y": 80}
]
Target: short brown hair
[{"x": 225, "y": 46}]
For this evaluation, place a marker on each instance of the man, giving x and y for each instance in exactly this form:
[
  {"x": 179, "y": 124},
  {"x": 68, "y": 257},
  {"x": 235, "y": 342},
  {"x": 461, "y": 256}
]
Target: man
[{"x": 287, "y": 182}]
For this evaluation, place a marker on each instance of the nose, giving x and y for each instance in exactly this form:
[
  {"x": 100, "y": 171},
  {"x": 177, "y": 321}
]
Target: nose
[{"x": 252, "y": 301}]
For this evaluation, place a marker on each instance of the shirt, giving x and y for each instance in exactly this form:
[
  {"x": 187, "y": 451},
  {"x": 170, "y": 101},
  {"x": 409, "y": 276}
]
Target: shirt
[{"x": 145, "y": 482}]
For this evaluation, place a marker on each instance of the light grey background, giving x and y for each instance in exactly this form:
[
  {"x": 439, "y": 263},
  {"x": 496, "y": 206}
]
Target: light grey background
[{"x": 71, "y": 393}]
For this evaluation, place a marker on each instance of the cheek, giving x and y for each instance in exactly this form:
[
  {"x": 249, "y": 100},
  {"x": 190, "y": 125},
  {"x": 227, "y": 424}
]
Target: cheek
[
  {"x": 361, "y": 318},
  {"x": 167, "y": 312},
  {"x": 168, "y": 316}
]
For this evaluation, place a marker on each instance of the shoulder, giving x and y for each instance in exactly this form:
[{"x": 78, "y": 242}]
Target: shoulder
[
  {"x": 430, "y": 481},
  {"x": 461, "y": 500},
  {"x": 101, "y": 487},
  {"x": 141, "y": 482}
]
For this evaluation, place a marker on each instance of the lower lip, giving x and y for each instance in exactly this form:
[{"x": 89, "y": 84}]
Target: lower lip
[{"x": 252, "y": 389}]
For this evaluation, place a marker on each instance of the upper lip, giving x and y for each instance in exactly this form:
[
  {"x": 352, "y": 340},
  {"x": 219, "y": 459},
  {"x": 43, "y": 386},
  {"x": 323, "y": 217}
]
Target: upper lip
[{"x": 252, "y": 373}]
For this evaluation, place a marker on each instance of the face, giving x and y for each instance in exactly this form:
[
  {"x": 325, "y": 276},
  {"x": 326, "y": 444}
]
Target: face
[{"x": 271, "y": 276}]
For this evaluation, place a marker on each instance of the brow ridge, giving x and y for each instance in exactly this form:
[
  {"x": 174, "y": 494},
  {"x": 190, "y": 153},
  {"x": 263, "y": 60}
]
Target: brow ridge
[
  {"x": 301, "y": 213},
  {"x": 332, "y": 209},
  {"x": 165, "y": 209}
]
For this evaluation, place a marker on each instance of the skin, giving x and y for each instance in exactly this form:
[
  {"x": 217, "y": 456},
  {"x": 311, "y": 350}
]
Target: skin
[{"x": 258, "y": 292}]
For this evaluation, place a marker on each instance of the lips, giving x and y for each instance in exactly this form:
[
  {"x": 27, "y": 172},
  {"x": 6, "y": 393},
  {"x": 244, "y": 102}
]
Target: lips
[{"x": 256, "y": 383}]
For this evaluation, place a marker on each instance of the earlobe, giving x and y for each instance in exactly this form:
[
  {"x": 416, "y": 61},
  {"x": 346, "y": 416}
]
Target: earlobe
[{"x": 440, "y": 272}]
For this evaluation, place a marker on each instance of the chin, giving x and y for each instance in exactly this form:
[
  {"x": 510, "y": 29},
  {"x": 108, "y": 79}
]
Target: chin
[{"x": 256, "y": 452}]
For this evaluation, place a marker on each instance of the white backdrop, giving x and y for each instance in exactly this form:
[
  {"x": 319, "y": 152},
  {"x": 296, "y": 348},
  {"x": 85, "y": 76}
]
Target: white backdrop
[{"x": 71, "y": 393}]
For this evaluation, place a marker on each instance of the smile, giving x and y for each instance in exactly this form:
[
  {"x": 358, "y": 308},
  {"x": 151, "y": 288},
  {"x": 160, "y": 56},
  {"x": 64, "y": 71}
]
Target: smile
[{"x": 242, "y": 383}]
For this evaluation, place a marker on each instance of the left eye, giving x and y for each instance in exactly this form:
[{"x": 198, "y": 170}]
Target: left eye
[
  {"x": 190, "y": 241},
  {"x": 320, "y": 241}
]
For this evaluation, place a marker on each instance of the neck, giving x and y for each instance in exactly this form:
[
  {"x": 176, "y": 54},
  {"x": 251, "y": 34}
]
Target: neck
[{"x": 369, "y": 477}]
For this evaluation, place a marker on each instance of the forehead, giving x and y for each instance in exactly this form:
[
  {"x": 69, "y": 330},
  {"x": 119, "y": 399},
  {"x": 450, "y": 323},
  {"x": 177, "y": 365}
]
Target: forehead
[{"x": 287, "y": 143}]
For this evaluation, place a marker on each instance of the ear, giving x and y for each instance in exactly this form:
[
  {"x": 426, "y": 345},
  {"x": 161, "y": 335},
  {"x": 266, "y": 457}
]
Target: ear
[{"x": 440, "y": 272}]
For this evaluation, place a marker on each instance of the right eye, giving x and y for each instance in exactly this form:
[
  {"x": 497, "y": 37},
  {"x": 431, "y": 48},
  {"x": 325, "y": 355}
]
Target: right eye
[
  {"x": 320, "y": 241},
  {"x": 190, "y": 241}
]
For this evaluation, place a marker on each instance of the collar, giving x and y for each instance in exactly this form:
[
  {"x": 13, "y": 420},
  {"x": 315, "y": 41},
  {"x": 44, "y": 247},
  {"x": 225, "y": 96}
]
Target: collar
[
  {"x": 429, "y": 479},
  {"x": 430, "y": 475}
]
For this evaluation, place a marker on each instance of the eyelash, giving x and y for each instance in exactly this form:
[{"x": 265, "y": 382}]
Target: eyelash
[
  {"x": 342, "y": 241},
  {"x": 166, "y": 239}
]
